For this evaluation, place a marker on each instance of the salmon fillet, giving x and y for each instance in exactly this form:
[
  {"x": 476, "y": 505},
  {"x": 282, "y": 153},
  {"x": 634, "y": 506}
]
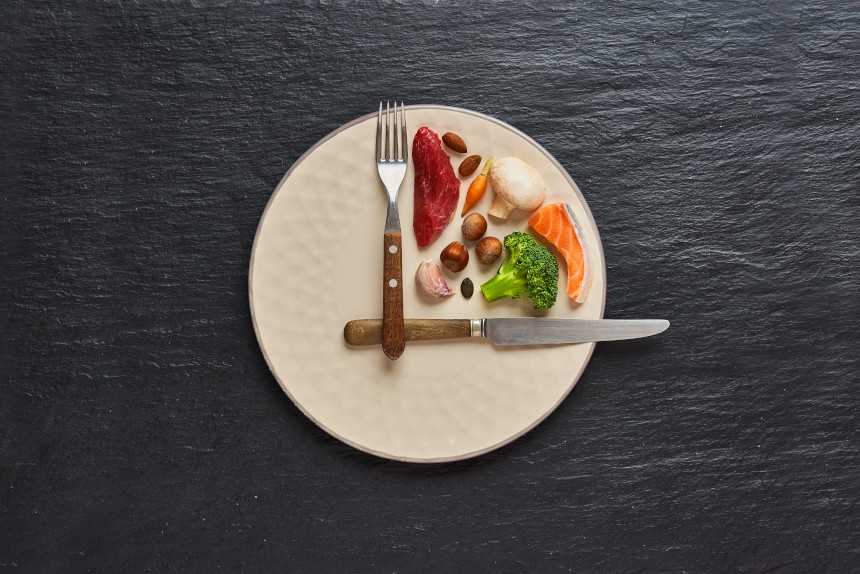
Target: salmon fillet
[{"x": 558, "y": 224}]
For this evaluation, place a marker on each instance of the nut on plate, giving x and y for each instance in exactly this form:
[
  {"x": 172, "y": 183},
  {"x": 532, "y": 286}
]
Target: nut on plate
[
  {"x": 455, "y": 256},
  {"x": 488, "y": 250},
  {"x": 474, "y": 226},
  {"x": 454, "y": 142},
  {"x": 469, "y": 165}
]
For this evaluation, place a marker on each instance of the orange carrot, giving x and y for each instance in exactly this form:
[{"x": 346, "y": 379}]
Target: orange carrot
[{"x": 476, "y": 190}]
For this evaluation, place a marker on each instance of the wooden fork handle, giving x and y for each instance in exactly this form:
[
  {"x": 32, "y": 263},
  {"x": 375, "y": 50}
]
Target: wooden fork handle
[{"x": 393, "y": 335}]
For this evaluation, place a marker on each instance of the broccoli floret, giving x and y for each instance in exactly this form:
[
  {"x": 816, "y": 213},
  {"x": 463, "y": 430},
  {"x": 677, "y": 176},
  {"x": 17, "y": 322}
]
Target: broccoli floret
[{"x": 530, "y": 270}]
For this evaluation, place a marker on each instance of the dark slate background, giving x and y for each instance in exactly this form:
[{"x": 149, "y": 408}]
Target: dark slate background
[{"x": 716, "y": 143}]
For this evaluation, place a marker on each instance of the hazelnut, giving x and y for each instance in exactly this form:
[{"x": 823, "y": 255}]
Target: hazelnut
[
  {"x": 488, "y": 250},
  {"x": 474, "y": 226},
  {"x": 455, "y": 257}
]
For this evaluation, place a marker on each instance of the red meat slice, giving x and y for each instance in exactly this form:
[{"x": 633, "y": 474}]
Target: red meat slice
[{"x": 437, "y": 189}]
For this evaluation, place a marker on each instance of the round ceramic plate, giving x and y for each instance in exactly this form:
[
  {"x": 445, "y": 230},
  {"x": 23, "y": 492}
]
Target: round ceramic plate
[{"x": 317, "y": 263}]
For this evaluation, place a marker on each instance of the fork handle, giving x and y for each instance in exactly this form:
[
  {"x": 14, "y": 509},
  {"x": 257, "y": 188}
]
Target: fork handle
[{"x": 393, "y": 333}]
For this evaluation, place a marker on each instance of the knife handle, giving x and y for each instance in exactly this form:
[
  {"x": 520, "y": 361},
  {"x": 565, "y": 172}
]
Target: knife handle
[
  {"x": 369, "y": 331},
  {"x": 392, "y": 333}
]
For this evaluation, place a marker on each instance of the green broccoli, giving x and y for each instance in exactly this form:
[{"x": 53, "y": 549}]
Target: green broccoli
[{"x": 530, "y": 270}]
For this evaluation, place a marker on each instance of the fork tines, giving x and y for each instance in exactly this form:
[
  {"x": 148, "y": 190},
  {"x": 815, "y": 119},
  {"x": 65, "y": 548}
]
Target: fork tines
[{"x": 392, "y": 151}]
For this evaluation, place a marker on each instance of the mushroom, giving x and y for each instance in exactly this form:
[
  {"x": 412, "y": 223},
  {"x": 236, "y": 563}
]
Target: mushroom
[{"x": 517, "y": 185}]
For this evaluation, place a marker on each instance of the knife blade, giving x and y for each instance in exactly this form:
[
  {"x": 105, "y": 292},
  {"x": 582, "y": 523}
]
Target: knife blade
[{"x": 509, "y": 331}]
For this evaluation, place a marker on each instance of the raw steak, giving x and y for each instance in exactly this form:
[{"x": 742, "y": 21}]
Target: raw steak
[{"x": 437, "y": 189}]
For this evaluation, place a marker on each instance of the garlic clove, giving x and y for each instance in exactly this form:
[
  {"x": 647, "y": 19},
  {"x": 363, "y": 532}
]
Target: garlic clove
[{"x": 430, "y": 280}]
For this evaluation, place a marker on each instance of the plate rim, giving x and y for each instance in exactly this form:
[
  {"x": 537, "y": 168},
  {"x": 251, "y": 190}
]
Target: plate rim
[{"x": 362, "y": 448}]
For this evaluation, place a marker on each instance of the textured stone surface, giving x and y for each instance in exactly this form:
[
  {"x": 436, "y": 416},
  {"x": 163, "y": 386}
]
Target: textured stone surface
[{"x": 716, "y": 144}]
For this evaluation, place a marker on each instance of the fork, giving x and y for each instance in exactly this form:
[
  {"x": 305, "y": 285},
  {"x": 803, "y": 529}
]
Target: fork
[{"x": 391, "y": 164}]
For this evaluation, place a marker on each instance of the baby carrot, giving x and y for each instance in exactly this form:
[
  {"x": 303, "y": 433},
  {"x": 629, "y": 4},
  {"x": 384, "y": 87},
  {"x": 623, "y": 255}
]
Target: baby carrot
[{"x": 476, "y": 190}]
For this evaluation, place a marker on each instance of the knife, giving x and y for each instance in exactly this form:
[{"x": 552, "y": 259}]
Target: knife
[{"x": 507, "y": 331}]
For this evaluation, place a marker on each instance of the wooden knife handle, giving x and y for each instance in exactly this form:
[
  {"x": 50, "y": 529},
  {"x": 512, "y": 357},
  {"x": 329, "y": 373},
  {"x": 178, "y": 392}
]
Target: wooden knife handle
[
  {"x": 369, "y": 331},
  {"x": 392, "y": 335}
]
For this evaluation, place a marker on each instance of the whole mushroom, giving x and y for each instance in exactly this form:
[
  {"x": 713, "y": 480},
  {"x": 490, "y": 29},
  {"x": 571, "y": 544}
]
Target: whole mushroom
[{"x": 517, "y": 185}]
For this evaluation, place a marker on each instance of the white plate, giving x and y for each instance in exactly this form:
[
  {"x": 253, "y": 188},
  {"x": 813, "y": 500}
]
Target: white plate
[{"x": 317, "y": 263}]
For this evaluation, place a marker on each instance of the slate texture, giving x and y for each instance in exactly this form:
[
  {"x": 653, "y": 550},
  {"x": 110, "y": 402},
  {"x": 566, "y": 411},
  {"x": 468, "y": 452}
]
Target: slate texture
[{"x": 716, "y": 144}]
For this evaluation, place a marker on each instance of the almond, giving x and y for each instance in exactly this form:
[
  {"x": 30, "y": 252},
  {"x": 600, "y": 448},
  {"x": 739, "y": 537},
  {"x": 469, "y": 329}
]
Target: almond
[
  {"x": 469, "y": 165},
  {"x": 454, "y": 142}
]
